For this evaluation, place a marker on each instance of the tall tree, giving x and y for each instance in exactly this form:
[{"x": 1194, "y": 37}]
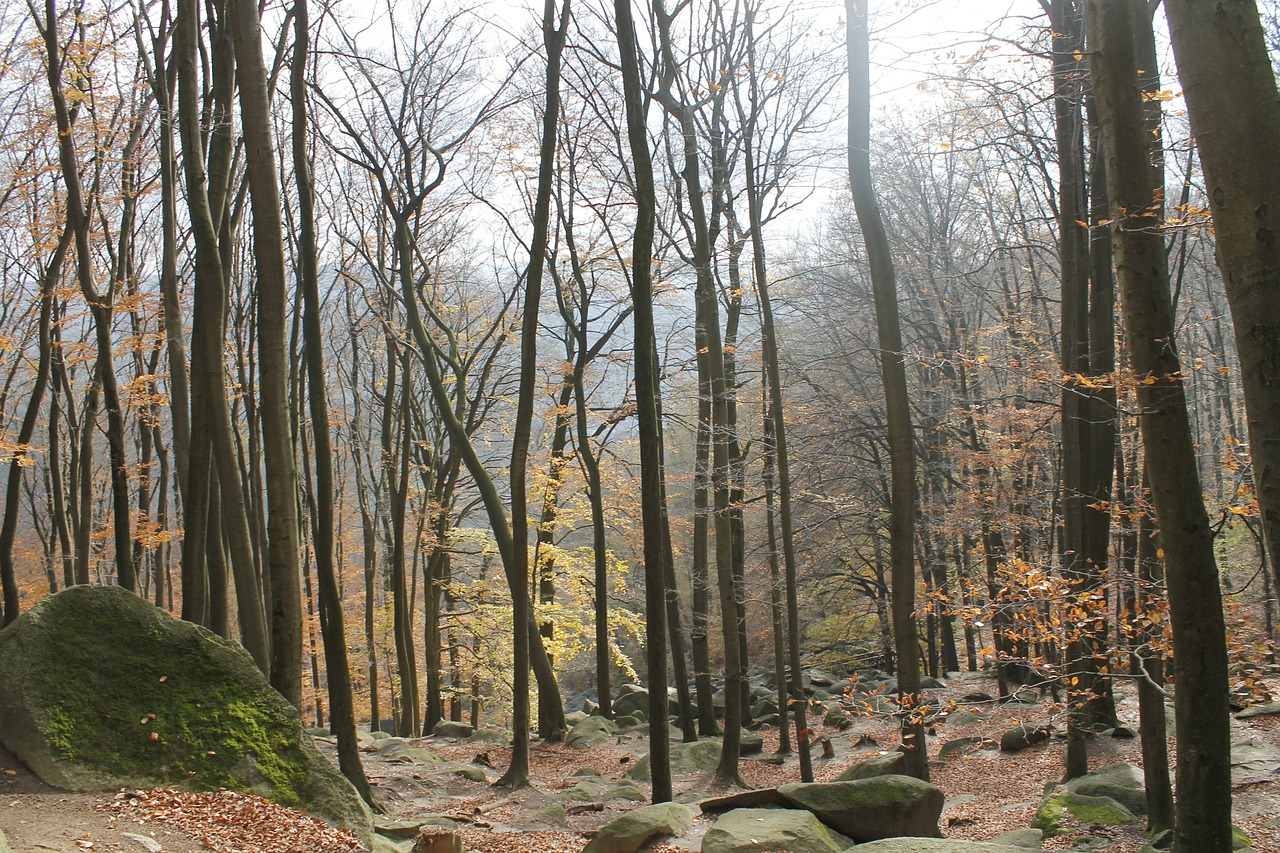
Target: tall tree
[
  {"x": 894, "y": 377},
  {"x": 283, "y": 568},
  {"x": 1232, "y": 102},
  {"x": 1203, "y": 821},
  {"x": 342, "y": 719},
  {"x": 647, "y": 391}
]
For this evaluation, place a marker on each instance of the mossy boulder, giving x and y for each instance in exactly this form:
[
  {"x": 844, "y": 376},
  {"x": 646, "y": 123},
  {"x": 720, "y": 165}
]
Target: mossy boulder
[
  {"x": 702, "y": 756},
  {"x": 772, "y": 831},
  {"x": 1121, "y": 782},
  {"x": 870, "y": 809},
  {"x": 1085, "y": 809},
  {"x": 633, "y": 830},
  {"x": 101, "y": 690},
  {"x": 590, "y": 732}
]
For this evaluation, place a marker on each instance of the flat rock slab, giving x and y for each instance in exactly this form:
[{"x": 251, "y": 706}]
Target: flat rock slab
[
  {"x": 935, "y": 845},
  {"x": 772, "y": 831},
  {"x": 1253, "y": 761}
]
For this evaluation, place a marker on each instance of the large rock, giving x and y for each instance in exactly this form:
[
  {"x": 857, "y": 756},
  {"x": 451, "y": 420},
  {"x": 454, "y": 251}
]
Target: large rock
[
  {"x": 631, "y": 831},
  {"x": 1085, "y": 809},
  {"x": 891, "y": 764},
  {"x": 869, "y": 809},
  {"x": 935, "y": 845},
  {"x": 100, "y": 690},
  {"x": 1121, "y": 782},
  {"x": 1023, "y": 737},
  {"x": 702, "y": 756},
  {"x": 772, "y": 831},
  {"x": 592, "y": 731}
]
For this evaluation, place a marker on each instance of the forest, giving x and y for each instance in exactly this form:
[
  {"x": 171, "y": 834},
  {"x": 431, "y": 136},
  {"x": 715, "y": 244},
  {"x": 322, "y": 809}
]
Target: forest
[{"x": 687, "y": 365}]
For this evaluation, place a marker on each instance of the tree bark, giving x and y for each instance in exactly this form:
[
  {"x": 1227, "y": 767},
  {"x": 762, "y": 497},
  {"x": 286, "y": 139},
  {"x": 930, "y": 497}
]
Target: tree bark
[
  {"x": 1234, "y": 109},
  {"x": 894, "y": 376},
  {"x": 283, "y": 570},
  {"x": 1195, "y": 603}
]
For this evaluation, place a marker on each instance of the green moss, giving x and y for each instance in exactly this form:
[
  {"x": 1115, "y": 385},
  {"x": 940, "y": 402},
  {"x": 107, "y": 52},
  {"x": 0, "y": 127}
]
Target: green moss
[
  {"x": 1049, "y": 818},
  {"x": 129, "y": 710},
  {"x": 1085, "y": 809}
]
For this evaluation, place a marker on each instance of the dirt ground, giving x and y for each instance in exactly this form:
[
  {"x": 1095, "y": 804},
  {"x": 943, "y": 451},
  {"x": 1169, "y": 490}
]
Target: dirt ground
[{"x": 988, "y": 791}]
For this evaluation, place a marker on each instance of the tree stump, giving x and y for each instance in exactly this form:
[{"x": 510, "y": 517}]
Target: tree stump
[{"x": 438, "y": 839}]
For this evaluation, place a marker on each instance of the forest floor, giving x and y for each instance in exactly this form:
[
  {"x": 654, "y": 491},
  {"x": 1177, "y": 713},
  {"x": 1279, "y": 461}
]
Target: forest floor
[{"x": 988, "y": 792}]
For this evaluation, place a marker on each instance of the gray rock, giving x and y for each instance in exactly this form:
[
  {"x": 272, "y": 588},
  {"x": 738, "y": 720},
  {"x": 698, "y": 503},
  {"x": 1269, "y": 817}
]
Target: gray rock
[
  {"x": 960, "y": 745},
  {"x": 935, "y": 845},
  {"x": 412, "y": 754},
  {"x": 502, "y": 736},
  {"x": 701, "y": 756},
  {"x": 965, "y": 718},
  {"x": 869, "y": 809},
  {"x": 1259, "y": 710},
  {"x": 631, "y": 831},
  {"x": 1032, "y": 838},
  {"x": 772, "y": 831},
  {"x": 448, "y": 728},
  {"x": 1121, "y": 782},
  {"x": 4, "y": 843},
  {"x": 390, "y": 845},
  {"x": 592, "y": 731},
  {"x": 750, "y": 743},
  {"x": 928, "y": 682},
  {"x": 148, "y": 843},
  {"x": 631, "y": 701},
  {"x": 891, "y": 764},
  {"x": 1023, "y": 737},
  {"x": 975, "y": 697},
  {"x": 99, "y": 690}
]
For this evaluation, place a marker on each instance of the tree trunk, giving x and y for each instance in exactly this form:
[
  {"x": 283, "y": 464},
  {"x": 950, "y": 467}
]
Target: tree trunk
[
  {"x": 1232, "y": 102},
  {"x": 273, "y": 357},
  {"x": 647, "y": 389},
  {"x": 1195, "y": 602},
  {"x": 894, "y": 376}
]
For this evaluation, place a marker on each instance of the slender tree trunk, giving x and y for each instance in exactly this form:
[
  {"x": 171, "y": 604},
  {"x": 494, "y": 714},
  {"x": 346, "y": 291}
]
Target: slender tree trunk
[
  {"x": 342, "y": 718},
  {"x": 897, "y": 407},
  {"x": 273, "y": 358},
  {"x": 1195, "y": 602},
  {"x": 647, "y": 389}
]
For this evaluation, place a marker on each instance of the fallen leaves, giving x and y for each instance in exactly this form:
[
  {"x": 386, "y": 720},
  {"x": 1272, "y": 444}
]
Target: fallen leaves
[{"x": 231, "y": 822}]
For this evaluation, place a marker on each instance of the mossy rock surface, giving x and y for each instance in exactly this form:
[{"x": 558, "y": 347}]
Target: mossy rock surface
[
  {"x": 1085, "y": 809},
  {"x": 631, "y": 831},
  {"x": 772, "y": 831},
  {"x": 702, "y": 756},
  {"x": 1121, "y": 782},
  {"x": 101, "y": 690},
  {"x": 871, "y": 809},
  {"x": 591, "y": 731}
]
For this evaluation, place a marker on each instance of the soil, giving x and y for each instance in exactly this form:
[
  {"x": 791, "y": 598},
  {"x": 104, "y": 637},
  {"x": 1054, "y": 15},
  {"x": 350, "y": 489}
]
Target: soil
[{"x": 988, "y": 791}]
